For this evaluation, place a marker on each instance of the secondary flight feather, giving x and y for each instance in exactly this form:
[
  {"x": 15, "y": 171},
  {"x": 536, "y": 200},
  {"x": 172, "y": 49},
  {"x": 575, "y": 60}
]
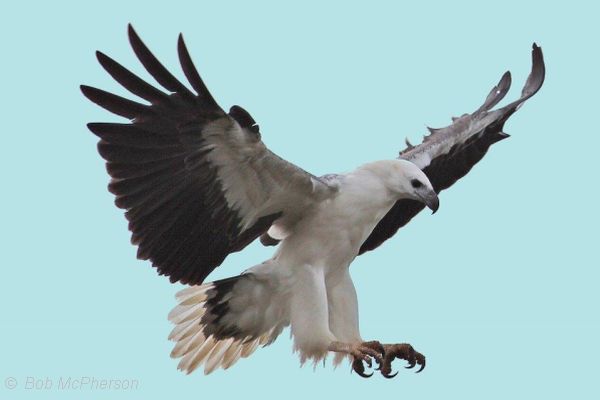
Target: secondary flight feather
[{"x": 198, "y": 183}]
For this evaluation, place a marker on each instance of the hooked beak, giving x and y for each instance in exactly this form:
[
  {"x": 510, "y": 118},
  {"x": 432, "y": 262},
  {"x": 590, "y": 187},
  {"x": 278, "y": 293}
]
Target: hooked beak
[{"x": 432, "y": 201}]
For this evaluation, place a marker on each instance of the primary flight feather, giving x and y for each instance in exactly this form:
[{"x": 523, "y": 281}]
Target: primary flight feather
[{"x": 198, "y": 183}]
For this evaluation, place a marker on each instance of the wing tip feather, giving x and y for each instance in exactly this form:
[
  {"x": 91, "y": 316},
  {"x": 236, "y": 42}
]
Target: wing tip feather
[
  {"x": 131, "y": 31},
  {"x": 94, "y": 127},
  {"x": 154, "y": 66},
  {"x": 191, "y": 73}
]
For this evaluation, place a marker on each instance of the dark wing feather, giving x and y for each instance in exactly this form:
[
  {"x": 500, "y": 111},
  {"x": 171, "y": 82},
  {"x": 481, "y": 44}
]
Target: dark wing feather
[
  {"x": 154, "y": 67},
  {"x": 115, "y": 104},
  {"x": 197, "y": 183},
  {"x": 129, "y": 80},
  {"x": 448, "y": 154},
  {"x": 191, "y": 73}
]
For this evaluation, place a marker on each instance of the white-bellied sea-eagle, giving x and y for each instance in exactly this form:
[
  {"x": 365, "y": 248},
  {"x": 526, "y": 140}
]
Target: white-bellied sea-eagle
[{"x": 198, "y": 183}]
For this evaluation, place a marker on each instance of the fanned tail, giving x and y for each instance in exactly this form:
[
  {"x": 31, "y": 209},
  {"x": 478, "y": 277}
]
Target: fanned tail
[{"x": 219, "y": 322}]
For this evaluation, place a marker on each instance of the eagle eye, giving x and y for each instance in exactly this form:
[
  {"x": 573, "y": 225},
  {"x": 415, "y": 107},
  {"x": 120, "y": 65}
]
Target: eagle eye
[{"x": 416, "y": 183}]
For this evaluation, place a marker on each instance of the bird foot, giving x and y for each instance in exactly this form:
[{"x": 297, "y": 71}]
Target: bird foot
[
  {"x": 402, "y": 351},
  {"x": 384, "y": 354},
  {"x": 361, "y": 352}
]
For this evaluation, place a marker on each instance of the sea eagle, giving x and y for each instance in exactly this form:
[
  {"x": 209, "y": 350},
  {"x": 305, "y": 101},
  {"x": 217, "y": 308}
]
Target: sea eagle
[{"x": 198, "y": 184}]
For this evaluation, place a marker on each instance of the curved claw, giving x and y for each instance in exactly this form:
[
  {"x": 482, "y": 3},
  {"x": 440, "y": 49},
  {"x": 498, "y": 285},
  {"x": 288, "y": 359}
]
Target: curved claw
[
  {"x": 389, "y": 376},
  {"x": 386, "y": 366},
  {"x": 359, "y": 368},
  {"x": 422, "y": 364}
]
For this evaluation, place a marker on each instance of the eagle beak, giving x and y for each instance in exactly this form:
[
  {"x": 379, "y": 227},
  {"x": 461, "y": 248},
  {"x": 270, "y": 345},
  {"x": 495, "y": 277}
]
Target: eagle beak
[{"x": 432, "y": 201}]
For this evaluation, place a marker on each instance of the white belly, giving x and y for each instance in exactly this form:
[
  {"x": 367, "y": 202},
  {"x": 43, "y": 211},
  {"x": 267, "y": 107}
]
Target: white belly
[
  {"x": 331, "y": 236},
  {"x": 311, "y": 266}
]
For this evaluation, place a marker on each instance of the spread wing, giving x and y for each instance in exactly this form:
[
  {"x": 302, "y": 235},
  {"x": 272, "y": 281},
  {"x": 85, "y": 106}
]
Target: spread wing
[
  {"x": 197, "y": 183},
  {"x": 449, "y": 153}
]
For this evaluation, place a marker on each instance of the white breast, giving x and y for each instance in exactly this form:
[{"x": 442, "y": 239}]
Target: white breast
[{"x": 331, "y": 235}]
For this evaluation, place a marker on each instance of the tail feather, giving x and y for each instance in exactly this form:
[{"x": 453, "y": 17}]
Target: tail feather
[
  {"x": 218, "y": 323},
  {"x": 188, "y": 344},
  {"x": 182, "y": 314},
  {"x": 192, "y": 295},
  {"x": 249, "y": 348},
  {"x": 182, "y": 331},
  {"x": 215, "y": 358},
  {"x": 194, "y": 358},
  {"x": 232, "y": 355}
]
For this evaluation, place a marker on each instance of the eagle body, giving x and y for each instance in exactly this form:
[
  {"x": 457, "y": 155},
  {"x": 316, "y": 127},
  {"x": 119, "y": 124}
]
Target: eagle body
[
  {"x": 198, "y": 183},
  {"x": 330, "y": 238},
  {"x": 307, "y": 283}
]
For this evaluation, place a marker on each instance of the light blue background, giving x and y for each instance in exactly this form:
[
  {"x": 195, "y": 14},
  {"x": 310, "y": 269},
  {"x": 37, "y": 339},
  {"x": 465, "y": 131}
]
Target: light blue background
[{"x": 499, "y": 289}]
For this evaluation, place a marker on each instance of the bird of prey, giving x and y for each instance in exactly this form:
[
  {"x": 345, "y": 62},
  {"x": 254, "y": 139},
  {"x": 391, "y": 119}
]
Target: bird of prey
[{"x": 198, "y": 183}]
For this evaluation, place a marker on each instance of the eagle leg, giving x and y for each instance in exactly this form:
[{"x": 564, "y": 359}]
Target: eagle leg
[
  {"x": 361, "y": 352},
  {"x": 403, "y": 351}
]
